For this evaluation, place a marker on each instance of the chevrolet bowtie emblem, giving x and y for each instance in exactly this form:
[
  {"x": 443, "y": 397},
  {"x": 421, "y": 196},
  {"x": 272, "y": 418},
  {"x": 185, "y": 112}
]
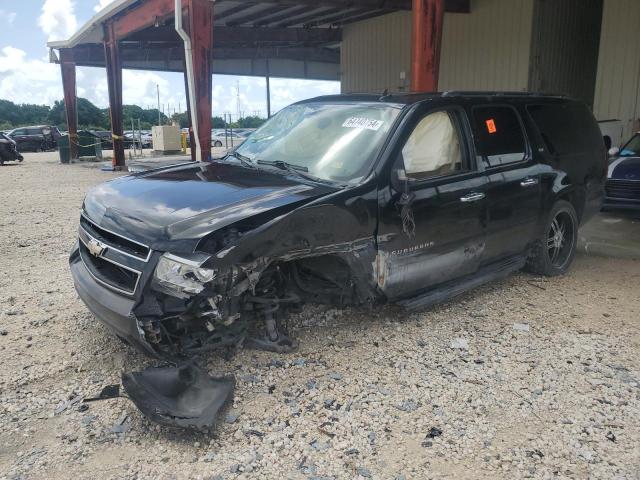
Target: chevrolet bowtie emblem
[{"x": 96, "y": 248}]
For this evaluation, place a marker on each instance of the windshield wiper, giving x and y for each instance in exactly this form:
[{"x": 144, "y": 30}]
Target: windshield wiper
[
  {"x": 298, "y": 170},
  {"x": 243, "y": 159}
]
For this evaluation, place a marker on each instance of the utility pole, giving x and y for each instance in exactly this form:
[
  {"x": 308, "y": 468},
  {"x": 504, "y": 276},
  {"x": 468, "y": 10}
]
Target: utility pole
[
  {"x": 268, "y": 89},
  {"x": 238, "y": 98},
  {"x": 159, "y": 118}
]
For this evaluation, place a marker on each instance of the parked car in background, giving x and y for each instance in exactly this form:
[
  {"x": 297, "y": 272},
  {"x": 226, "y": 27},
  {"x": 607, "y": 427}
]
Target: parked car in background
[
  {"x": 244, "y": 132},
  {"x": 146, "y": 139},
  {"x": 8, "y": 149},
  {"x": 105, "y": 138},
  {"x": 36, "y": 139},
  {"x": 229, "y": 139},
  {"x": 622, "y": 190}
]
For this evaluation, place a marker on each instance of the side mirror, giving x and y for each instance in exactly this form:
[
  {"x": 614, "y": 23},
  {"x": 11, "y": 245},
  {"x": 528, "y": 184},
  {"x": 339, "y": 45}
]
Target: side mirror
[{"x": 614, "y": 151}]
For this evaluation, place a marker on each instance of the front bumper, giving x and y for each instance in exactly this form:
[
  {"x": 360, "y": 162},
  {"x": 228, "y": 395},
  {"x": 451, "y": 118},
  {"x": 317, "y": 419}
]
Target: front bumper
[
  {"x": 622, "y": 195},
  {"x": 113, "y": 310}
]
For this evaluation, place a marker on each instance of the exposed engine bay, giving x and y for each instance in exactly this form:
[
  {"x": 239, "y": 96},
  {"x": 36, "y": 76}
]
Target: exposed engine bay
[{"x": 242, "y": 306}]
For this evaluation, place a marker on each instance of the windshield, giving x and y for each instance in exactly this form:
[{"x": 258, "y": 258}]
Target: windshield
[
  {"x": 632, "y": 149},
  {"x": 335, "y": 142}
]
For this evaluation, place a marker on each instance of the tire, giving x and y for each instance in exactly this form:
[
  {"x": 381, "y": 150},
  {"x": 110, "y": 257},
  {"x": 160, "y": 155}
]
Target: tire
[
  {"x": 555, "y": 250},
  {"x": 217, "y": 144}
]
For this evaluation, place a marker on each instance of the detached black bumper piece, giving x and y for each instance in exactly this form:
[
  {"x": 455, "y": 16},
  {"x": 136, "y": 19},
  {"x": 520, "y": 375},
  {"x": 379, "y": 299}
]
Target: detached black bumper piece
[
  {"x": 184, "y": 397},
  {"x": 115, "y": 311}
]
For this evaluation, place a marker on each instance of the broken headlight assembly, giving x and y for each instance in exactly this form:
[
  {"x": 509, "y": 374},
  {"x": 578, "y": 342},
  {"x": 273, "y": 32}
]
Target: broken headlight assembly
[{"x": 182, "y": 277}]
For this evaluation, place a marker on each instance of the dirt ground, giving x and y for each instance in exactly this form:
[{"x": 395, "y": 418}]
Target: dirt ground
[{"x": 524, "y": 378}]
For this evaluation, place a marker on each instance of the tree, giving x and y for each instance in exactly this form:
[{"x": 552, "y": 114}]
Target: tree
[
  {"x": 217, "y": 122},
  {"x": 12, "y": 115},
  {"x": 251, "y": 122},
  {"x": 90, "y": 117},
  {"x": 181, "y": 119}
]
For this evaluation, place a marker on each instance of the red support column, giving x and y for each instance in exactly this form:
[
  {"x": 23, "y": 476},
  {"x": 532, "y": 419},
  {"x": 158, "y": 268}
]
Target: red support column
[
  {"x": 114, "y": 80},
  {"x": 200, "y": 26},
  {"x": 68, "y": 68},
  {"x": 428, "y": 19}
]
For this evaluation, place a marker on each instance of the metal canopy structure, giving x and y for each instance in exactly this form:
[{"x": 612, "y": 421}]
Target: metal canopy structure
[{"x": 282, "y": 38}]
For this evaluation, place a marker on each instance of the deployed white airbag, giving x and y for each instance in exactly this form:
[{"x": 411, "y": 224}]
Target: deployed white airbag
[{"x": 433, "y": 146}]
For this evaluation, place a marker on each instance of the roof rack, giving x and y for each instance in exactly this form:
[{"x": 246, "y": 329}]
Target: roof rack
[{"x": 454, "y": 93}]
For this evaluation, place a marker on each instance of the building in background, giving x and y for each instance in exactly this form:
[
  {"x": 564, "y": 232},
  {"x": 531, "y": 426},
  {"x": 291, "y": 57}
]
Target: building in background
[
  {"x": 583, "y": 48},
  {"x": 588, "y": 49}
]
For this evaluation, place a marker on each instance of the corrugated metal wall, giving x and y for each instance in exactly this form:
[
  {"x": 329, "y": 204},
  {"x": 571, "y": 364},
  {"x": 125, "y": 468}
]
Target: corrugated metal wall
[
  {"x": 375, "y": 52},
  {"x": 618, "y": 81},
  {"x": 564, "y": 51},
  {"x": 489, "y": 48}
]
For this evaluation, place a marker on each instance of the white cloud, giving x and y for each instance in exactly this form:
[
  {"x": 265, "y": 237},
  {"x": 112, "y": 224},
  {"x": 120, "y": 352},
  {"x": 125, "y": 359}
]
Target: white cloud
[
  {"x": 10, "y": 17},
  {"x": 102, "y": 4},
  {"x": 58, "y": 20},
  {"x": 285, "y": 91},
  {"x": 24, "y": 80}
]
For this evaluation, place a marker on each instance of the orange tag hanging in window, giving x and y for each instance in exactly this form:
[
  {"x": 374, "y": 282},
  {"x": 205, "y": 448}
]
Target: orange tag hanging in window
[{"x": 491, "y": 126}]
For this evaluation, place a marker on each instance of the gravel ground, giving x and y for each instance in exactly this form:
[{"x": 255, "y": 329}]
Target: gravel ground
[{"x": 524, "y": 378}]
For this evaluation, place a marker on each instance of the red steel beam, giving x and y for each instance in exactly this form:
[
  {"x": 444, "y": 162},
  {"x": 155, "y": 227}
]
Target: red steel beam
[
  {"x": 200, "y": 24},
  {"x": 114, "y": 81},
  {"x": 145, "y": 14},
  {"x": 428, "y": 20},
  {"x": 68, "y": 68}
]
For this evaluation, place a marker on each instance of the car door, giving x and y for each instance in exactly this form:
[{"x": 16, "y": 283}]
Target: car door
[
  {"x": 21, "y": 138},
  {"x": 35, "y": 139},
  {"x": 432, "y": 213},
  {"x": 514, "y": 194}
]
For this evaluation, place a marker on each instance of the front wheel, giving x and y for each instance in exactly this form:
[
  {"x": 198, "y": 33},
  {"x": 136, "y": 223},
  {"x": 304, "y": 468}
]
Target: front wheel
[
  {"x": 217, "y": 144},
  {"x": 555, "y": 250}
]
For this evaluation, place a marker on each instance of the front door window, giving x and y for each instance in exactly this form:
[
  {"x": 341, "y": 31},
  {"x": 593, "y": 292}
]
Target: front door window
[{"x": 433, "y": 149}]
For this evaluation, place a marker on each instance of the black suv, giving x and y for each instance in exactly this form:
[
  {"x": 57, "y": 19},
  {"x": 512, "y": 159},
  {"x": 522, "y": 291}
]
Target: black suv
[
  {"x": 35, "y": 139},
  {"x": 342, "y": 200}
]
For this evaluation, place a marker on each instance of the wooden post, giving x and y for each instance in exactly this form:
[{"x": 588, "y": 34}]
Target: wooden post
[
  {"x": 428, "y": 20},
  {"x": 68, "y": 68},
  {"x": 200, "y": 24},
  {"x": 114, "y": 81}
]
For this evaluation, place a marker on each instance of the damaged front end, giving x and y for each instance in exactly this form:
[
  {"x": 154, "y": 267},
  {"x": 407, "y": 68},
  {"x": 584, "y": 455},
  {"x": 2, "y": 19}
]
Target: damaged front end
[
  {"x": 203, "y": 303},
  {"x": 189, "y": 309},
  {"x": 236, "y": 289}
]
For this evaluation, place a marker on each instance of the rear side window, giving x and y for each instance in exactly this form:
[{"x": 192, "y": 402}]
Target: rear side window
[
  {"x": 34, "y": 131},
  {"x": 500, "y": 138},
  {"x": 567, "y": 128}
]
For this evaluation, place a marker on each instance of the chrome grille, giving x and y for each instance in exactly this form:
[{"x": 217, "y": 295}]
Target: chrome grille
[
  {"x": 115, "y": 241},
  {"x": 114, "y": 261}
]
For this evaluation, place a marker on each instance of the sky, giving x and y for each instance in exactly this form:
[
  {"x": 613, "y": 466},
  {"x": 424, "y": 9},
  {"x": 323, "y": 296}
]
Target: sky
[{"x": 26, "y": 76}]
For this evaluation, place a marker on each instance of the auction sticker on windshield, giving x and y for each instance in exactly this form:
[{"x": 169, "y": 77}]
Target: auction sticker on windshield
[{"x": 359, "y": 122}]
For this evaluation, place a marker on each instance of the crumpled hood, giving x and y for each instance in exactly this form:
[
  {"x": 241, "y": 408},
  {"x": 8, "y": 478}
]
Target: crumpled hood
[
  {"x": 190, "y": 201},
  {"x": 625, "y": 168}
]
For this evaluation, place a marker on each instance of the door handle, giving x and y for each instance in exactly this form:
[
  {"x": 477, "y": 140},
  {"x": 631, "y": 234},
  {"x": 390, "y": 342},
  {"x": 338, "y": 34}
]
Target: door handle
[
  {"x": 529, "y": 182},
  {"x": 473, "y": 197}
]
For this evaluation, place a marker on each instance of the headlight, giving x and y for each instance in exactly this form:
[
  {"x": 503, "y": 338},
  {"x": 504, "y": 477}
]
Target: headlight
[{"x": 182, "y": 277}]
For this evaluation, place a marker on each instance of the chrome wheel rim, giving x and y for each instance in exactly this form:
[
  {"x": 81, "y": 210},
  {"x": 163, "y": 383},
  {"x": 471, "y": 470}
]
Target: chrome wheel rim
[{"x": 560, "y": 239}]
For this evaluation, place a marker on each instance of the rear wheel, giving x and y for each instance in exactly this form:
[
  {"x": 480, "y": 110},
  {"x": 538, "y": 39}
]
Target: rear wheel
[
  {"x": 217, "y": 144},
  {"x": 556, "y": 248}
]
